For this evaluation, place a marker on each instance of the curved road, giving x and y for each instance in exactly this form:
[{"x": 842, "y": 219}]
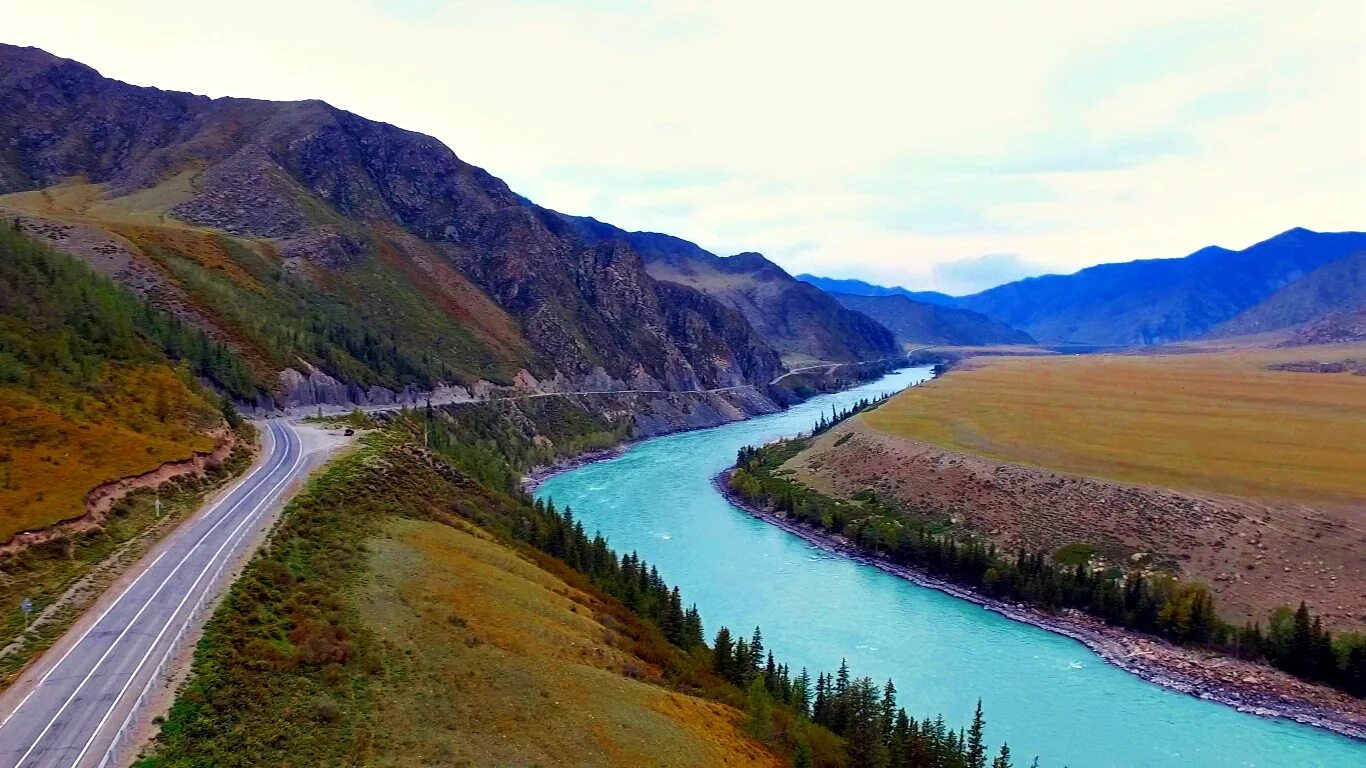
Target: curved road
[{"x": 78, "y": 700}]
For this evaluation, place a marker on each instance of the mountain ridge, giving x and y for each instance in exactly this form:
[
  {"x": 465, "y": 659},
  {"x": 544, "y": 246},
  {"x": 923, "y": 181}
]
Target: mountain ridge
[
  {"x": 918, "y": 322},
  {"x": 1153, "y": 301},
  {"x": 388, "y": 224},
  {"x": 856, "y": 287},
  {"x": 1338, "y": 287},
  {"x": 796, "y": 318}
]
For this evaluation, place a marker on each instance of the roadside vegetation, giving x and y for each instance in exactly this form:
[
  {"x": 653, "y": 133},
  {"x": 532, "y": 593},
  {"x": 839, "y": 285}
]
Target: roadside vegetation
[
  {"x": 95, "y": 385},
  {"x": 400, "y": 589},
  {"x": 67, "y": 572},
  {"x": 1147, "y": 601}
]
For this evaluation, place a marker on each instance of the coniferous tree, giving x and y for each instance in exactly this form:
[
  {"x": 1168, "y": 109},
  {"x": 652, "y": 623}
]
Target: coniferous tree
[
  {"x": 756, "y": 652},
  {"x": 801, "y": 693},
  {"x": 722, "y": 654},
  {"x": 976, "y": 748},
  {"x": 887, "y": 714}
]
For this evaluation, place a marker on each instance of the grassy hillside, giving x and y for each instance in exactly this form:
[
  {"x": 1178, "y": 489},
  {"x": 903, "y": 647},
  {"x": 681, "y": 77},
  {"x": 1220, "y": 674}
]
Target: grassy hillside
[
  {"x": 1200, "y": 422},
  {"x": 381, "y": 605},
  {"x": 90, "y": 386},
  {"x": 403, "y": 317},
  {"x": 505, "y": 663},
  {"x": 95, "y": 386}
]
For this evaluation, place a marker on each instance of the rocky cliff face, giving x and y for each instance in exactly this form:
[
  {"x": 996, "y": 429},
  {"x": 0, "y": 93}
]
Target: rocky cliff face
[
  {"x": 794, "y": 317},
  {"x": 321, "y": 182}
]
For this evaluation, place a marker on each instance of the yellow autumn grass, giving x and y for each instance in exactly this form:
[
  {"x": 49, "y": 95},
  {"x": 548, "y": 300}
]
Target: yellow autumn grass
[
  {"x": 1217, "y": 422},
  {"x": 53, "y": 453},
  {"x": 506, "y": 664}
]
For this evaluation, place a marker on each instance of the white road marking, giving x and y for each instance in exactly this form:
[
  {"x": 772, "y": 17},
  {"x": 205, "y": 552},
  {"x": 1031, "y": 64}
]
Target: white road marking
[
  {"x": 132, "y": 621},
  {"x": 265, "y": 503},
  {"x": 87, "y": 631},
  {"x": 128, "y": 589}
]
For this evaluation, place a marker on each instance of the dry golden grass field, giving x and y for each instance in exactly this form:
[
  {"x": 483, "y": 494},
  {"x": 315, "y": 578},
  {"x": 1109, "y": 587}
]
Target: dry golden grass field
[
  {"x": 1250, "y": 479},
  {"x": 506, "y": 664},
  {"x": 1215, "y": 422},
  {"x": 52, "y": 455}
]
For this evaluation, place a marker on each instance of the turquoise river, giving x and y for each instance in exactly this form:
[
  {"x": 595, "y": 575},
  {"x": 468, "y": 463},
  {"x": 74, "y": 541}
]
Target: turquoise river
[{"x": 1044, "y": 694}]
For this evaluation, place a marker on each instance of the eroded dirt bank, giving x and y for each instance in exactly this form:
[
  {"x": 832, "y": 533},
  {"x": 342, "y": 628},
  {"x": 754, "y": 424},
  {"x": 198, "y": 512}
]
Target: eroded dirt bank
[
  {"x": 102, "y": 498},
  {"x": 1256, "y": 556}
]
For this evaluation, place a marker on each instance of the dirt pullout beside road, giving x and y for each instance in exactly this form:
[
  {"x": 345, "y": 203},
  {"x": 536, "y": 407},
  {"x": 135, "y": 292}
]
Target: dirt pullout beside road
[{"x": 1256, "y": 556}]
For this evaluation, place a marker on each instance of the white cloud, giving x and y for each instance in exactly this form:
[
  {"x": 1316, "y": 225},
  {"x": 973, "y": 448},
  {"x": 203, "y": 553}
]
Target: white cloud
[{"x": 878, "y": 139}]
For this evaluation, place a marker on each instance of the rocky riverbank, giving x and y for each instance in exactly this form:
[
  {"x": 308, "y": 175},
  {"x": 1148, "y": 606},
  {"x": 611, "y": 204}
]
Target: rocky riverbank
[{"x": 1245, "y": 686}]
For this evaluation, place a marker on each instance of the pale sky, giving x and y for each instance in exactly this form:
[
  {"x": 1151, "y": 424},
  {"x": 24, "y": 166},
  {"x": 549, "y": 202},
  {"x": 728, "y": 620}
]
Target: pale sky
[{"x": 947, "y": 146}]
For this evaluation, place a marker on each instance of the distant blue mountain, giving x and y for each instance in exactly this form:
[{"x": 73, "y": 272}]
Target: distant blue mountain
[
  {"x": 1156, "y": 301},
  {"x": 860, "y": 288}
]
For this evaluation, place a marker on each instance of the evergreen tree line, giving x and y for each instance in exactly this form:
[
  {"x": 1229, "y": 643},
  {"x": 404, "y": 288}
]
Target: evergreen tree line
[
  {"x": 62, "y": 322},
  {"x": 1183, "y": 612},
  {"x": 825, "y": 423},
  {"x": 877, "y": 733},
  {"x": 629, "y": 579},
  {"x": 496, "y": 442}
]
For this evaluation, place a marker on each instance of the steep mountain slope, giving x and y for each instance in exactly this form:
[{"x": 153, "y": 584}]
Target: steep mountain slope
[
  {"x": 1334, "y": 288},
  {"x": 89, "y": 389},
  {"x": 795, "y": 318},
  {"x": 854, "y": 287},
  {"x": 409, "y": 266},
  {"x": 1160, "y": 300},
  {"x": 916, "y": 322}
]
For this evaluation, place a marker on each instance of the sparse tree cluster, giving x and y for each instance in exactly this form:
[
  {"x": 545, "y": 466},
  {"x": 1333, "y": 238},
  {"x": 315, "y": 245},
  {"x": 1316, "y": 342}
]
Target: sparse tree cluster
[{"x": 824, "y": 423}]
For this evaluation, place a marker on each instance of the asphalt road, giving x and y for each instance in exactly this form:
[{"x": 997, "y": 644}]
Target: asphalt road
[{"x": 88, "y": 686}]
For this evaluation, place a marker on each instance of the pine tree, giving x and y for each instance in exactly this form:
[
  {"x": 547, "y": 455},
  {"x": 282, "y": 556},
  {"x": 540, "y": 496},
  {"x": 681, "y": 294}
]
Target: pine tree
[
  {"x": 976, "y": 749},
  {"x": 1300, "y": 655},
  {"x": 820, "y": 708},
  {"x": 1003, "y": 758},
  {"x": 900, "y": 748},
  {"x": 692, "y": 620},
  {"x": 887, "y": 713},
  {"x": 801, "y": 693},
  {"x": 722, "y": 660},
  {"x": 759, "y": 708}
]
